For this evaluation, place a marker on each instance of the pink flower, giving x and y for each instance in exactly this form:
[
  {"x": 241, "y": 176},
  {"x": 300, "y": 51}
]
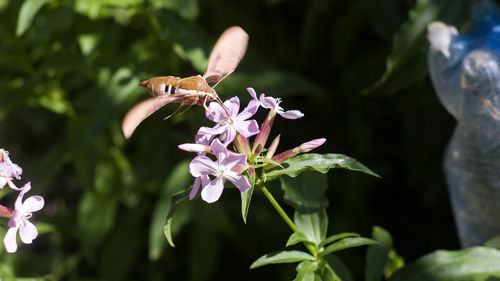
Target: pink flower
[
  {"x": 194, "y": 147},
  {"x": 227, "y": 128},
  {"x": 274, "y": 105},
  {"x": 8, "y": 170},
  {"x": 305, "y": 147},
  {"x": 20, "y": 220},
  {"x": 204, "y": 169}
]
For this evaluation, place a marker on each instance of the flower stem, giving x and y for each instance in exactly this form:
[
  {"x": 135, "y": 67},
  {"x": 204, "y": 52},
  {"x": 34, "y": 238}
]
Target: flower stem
[
  {"x": 278, "y": 208},
  {"x": 312, "y": 249}
]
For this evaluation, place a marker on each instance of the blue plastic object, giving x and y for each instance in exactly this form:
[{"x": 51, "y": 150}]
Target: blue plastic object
[{"x": 465, "y": 71}]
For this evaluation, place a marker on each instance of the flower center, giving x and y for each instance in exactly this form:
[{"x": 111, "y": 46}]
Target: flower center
[
  {"x": 220, "y": 172},
  {"x": 279, "y": 109}
]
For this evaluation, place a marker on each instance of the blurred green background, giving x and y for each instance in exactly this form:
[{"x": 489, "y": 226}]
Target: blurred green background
[{"x": 69, "y": 71}]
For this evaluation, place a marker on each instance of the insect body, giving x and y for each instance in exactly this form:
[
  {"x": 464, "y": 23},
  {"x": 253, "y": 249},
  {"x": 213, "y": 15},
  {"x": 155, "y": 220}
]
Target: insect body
[{"x": 194, "y": 90}]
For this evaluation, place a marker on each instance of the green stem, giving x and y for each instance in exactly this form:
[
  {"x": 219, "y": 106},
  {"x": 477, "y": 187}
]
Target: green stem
[
  {"x": 285, "y": 217},
  {"x": 278, "y": 208}
]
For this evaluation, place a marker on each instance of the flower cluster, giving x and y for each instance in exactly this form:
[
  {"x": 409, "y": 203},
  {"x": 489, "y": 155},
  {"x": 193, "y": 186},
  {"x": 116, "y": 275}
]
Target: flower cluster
[
  {"x": 234, "y": 127},
  {"x": 19, "y": 217}
]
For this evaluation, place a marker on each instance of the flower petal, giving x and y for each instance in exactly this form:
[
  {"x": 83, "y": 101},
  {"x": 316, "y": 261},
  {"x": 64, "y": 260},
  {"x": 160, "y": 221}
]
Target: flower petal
[
  {"x": 203, "y": 180},
  {"x": 213, "y": 190},
  {"x": 9, "y": 241},
  {"x": 268, "y": 102},
  {"x": 249, "y": 111},
  {"x": 241, "y": 183},
  {"x": 218, "y": 129},
  {"x": 196, "y": 187},
  {"x": 252, "y": 92},
  {"x": 228, "y": 136},
  {"x": 18, "y": 205},
  {"x": 28, "y": 232},
  {"x": 233, "y": 106},
  {"x": 247, "y": 128},
  {"x": 202, "y": 138},
  {"x": 219, "y": 150},
  {"x": 15, "y": 219},
  {"x": 33, "y": 203},
  {"x": 215, "y": 112},
  {"x": 201, "y": 165},
  {"x": 291, "y": 114},
  {"x": 233, "y": 160}
]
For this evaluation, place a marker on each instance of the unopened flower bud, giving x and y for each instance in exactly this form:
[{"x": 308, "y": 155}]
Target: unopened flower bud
[
  {"x": 310, "y": 145},
  {"x": 273, "y": 147},
  {"x": 5, "y": 212},
  {"x": 194, "y": 147},
  {"x": 282, "y": 157},
  {"x": 241, "y": 144},
  {"x": 265, "y": 129}
]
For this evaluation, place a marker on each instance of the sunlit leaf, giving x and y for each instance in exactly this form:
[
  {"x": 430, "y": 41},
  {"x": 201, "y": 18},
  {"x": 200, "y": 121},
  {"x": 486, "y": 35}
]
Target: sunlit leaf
[
  {"x": 336, "y": 237},
  {"x": 107, "y": 8},
  {"x": 312, "y": 225},
  {"x": 317, "y": 162},
  {"x": 347, "y": 243},
  {"x": 493, "y": 243},
  {"x": 187, "y": 9},
  {"x": 328, "y": 274},
  {"x": 296, "y": 238},
  {"x": 474, "y": 264},
  {"x": 27, "y": 13},
  {"x": 305, "y": 271},
  {"x": 281, "y": 257}
]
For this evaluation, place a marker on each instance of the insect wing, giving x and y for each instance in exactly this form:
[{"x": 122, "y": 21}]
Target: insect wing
[
  {"x": 226, "y": 54},
  {"x": 142, "y": 111}
]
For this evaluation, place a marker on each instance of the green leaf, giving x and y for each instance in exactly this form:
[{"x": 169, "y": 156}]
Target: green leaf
[
  {"x": 327, "y": 274},
  {"x": 336, "y": 237},
  {"x": 265, "y": 160},
  {"x": 377, "y": 254},
  {"x": 281, "y": 257},
  {"x": 177, "y": 181},
  {"x": 312, "y": 225},
  {"x": 493, "y": 242},
  {"x": 347, "y": 243},
  {"x": 246, "y": 198},
  {"x": 407, "y": 62},
  {"x": 187, "y": 9},
  {"x": 305, "y": 271},
  {"x": 393, "y": 263},
  {"x": 27, "y": 13},
  {"x": 175, "y": 219},
  {"x": 296, "y": 238},
  {"x": 120, "y": 9},
  {"x": 306, "y": 192},
  {"x": 339, "y": 268},
  {"x": 317, "y": 162},
  {"x": 477, "y": 263}
]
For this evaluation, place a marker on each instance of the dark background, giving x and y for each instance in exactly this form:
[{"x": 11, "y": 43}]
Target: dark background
[{"x": 62, "y": 104}]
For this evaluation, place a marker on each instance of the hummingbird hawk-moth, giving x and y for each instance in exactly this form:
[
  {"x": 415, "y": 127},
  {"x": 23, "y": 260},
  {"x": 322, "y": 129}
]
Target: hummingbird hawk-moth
[{"x": 194, "y": 90}]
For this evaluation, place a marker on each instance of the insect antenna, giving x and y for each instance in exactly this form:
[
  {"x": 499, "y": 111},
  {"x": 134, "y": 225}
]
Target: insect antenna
[
  {"x": 175, "y": 111},
  {"x": 224, "y": 77},
  {"x": 193, "y": 103}
]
